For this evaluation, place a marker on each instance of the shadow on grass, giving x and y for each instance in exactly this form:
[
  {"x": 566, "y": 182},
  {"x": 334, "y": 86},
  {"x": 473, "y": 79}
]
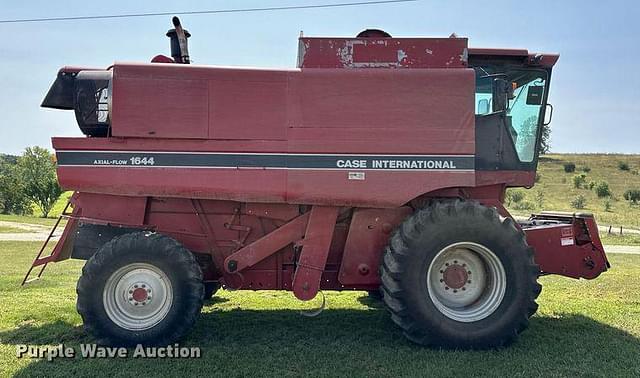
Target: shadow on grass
[
  {"x": 348, "y": 342},
  {"x": 371, "y": 301},
  {"x": 215, "y": 300}
]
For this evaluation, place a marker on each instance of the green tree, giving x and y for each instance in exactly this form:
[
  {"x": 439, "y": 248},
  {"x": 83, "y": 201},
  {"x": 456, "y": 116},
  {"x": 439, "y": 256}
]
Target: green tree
[
  {"x": 37, "y": 171},
  {"x": 545, "y": 139},
  {"x": 12, "y": 197}
]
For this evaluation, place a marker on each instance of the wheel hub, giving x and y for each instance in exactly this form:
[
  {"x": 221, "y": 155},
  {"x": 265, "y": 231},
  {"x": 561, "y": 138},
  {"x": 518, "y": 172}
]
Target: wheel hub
[
  {"x": 455, "y": 276},
  {"x": 466, "y": 281},
  {"x": 137, "y": 296}
]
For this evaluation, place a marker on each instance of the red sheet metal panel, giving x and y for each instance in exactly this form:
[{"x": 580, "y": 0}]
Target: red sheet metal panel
[
  {"x": 113, "y": 208},
  {"x": 382, "y": 52},
  {"x": 159, "y": 108},
  {"x": 247, "y": 109},
  {"x": 390, "y": 111},
  {"x": 225, "y": 184},
  {"x": 534, "y": 59},
  {"x": 150, "y": 144},
  {"x": 403, "y": 107},
  {"x": 368, "y": 235},
  {"x": 377, "y": 189}
]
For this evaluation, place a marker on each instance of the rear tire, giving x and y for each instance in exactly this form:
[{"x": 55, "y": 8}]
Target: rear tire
[
  {"x": 375, "y": 295},
  {"x": 457, "y": 275},
  {"x": 140, "y": 288}
]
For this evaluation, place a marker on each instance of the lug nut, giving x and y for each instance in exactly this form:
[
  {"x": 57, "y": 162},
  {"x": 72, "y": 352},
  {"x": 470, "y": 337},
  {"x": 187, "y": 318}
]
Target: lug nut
[
  {"x": 446, "y": 287},
  {"x": 441, "y": 280},
  {"x": 455, "y": 291}
]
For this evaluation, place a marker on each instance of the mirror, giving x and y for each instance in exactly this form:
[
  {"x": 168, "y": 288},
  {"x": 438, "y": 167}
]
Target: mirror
[
  {"x": 548, "y": 114},
  {"x": 501, "y": 91},
  {"x": 483, "y": 106}
]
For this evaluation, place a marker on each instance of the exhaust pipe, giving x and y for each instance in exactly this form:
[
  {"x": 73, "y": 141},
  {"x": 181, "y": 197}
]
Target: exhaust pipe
[{"x": 179, "y": 44}]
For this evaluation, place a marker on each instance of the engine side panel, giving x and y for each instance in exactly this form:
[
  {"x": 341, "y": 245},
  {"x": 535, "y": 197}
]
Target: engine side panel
[{"x": 334, "y": 137}]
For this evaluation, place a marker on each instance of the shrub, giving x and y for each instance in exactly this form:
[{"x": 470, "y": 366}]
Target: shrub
[
  {"x": 579, "y": 180},
  {"x": 591, "y": 185},
  {"x": 635, "y": 172},
  {"x": 586, "y": 169},
  {"x": 632, "y": 195},
  {"x": 623, "y": 166},
  {"x": 580, "y": 202},
  {"x": 569, "y": 167},
  {"x": 607, "y": 205},
  {"x": 523, "y": 205},
  {"x": 602, "y": 189},
  {"x": 514, "y": 196}
]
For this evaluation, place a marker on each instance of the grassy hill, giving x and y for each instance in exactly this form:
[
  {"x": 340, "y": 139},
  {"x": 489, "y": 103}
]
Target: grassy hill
[{"x": 555, "y": 189}]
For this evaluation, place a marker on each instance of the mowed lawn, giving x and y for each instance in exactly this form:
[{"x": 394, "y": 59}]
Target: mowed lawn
[{"x": 583, "y": 328}]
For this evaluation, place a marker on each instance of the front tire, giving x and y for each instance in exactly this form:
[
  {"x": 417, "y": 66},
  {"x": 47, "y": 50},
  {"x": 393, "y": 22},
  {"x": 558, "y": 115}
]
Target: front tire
[
  {"x": 140, "y": 288},
  {"x": 457, "y": 275}
]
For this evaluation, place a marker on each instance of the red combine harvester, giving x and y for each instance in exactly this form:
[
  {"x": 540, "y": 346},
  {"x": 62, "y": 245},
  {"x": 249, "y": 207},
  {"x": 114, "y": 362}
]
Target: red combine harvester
[{"x": 378, "y": 163}]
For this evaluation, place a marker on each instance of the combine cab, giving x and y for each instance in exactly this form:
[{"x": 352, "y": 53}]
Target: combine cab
[{"x": 378, "y": 163}]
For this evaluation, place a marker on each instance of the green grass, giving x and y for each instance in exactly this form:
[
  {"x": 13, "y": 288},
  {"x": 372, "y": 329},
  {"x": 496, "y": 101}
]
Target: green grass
[
  {"x": 583, "y": 328},
  {"x": 558, "y": 188},
  {"x": 617, "y": 239},
  {"x": 12, "y": 230}
]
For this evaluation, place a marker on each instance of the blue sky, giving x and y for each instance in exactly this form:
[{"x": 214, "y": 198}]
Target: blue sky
[{"x": 594, "y": 87}]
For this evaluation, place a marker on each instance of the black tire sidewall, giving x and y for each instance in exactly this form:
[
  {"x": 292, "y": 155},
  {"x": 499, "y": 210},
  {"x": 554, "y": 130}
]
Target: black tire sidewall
[
  {"x": 481, "y": 226},
  {"x": 153, "y": 251},
  {"x": 210, "y": 289}
]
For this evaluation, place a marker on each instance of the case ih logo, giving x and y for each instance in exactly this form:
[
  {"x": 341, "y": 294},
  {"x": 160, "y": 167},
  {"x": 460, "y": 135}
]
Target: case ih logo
[{"x": 264, "y": 160}]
